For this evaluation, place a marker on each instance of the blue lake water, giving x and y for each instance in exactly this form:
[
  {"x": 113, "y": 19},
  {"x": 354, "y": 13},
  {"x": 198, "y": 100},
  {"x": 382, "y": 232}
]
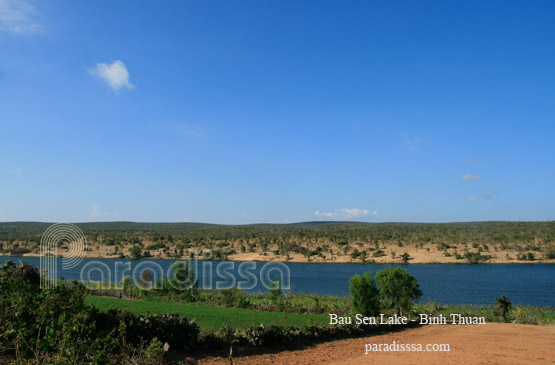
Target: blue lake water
[{"x": 530, "y": 284}]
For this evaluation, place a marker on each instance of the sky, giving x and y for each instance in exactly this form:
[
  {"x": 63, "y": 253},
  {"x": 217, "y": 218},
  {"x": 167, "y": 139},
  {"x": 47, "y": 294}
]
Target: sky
[{"x": 239, "y": 112}]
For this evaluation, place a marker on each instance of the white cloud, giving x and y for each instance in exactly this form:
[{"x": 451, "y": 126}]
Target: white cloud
[
  {"x": 346, "y": 213},
  {"x": 414, "y": 144},
  {"x": 14, "y": 172},
  {"x": 470, "y": 177},
  {"x": 322, "y": 214},
  {"x": 97, "y": 212},
  {"x": 470, "y": 199},
  {"x": 18, "y": 17},
  {"x": 115, "y": 75},
  {"x": 486, "y": 194},
  {"x": 184, "y": 129}
]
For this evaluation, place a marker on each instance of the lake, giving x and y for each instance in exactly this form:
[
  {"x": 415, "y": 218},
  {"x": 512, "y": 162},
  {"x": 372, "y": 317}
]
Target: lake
[{"x": 530, "y": 284}]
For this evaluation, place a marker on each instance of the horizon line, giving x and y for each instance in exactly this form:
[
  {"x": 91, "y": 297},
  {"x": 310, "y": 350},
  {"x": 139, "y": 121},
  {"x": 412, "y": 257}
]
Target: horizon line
[{"x": 290, "y": 223}]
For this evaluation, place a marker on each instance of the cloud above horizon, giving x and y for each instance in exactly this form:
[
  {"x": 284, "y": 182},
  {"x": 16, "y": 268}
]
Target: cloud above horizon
[
  {"x": 414, "y": 144},
  {"x": 184, "y": 129},
  {"x": 18, "y": 17},
  {"x": 346, "y": 213},
  {"x": 13, "y": 172},
  {"x": 97, "y": 212},
  {"x": 114, "y": 74},
  {"x": 471, "y": 177},
  {"x": 470, "y": 199}
]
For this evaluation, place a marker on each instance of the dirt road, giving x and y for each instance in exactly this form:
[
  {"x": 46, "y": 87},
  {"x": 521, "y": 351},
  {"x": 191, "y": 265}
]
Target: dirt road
[{"x": 492, "y": 343}]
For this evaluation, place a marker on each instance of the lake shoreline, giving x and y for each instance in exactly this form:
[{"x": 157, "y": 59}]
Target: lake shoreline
[{"x": 369, "y": 262}]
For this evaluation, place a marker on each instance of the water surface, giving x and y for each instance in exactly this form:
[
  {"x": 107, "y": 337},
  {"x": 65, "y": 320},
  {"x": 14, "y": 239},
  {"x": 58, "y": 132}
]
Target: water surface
[{"x": 530, "y": 284}]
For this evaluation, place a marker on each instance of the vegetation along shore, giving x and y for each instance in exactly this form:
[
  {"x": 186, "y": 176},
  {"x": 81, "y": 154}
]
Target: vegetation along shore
[{"x": 344, "y": 242}]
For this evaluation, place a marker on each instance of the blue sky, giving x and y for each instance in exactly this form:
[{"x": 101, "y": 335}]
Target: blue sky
[{"x": 277, "y": 111}]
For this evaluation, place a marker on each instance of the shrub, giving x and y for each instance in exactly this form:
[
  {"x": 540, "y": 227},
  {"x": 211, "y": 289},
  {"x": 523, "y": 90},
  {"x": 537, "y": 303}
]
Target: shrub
[
  {"x": 183, "y": 276},
  {"x": 38, "y": 322},
  {"x": 179, "y": 332},
  {"x": 502, "y": 306},
  {"x": 233, "y": 297},
  {"x": 275, "y": 292},
  {"x": 18, "y": 251},
  {"x": 56, "y": 326},
  {"x": 364, "y": 294},
  {"x": 475, "y": 257},
  {"x": 155, "y": 246},
  {"x": 378, "y": 253},
  {"x": 154, "y": 353},
  {"x": 136, "y": 252}
]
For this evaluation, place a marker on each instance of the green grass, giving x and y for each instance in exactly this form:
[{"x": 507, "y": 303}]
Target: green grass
[{"x": 208, "y": 317}]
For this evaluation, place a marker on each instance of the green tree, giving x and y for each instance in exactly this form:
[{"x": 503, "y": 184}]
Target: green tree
[
  {"x": 275, "y": 292},
  {"x": 136, "y": 252},
  {"x": 405, "y": 257},
  {"x": 398, "y": 289},
  {"x": 363, "y": 255},
  {"x": 502, "y": 306},
  {"x": 183, "y": 281},
  {"x": 364, "y": 294}
]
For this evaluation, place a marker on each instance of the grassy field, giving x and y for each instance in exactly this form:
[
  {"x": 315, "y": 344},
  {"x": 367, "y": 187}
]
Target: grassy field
[{"x": 208, "y": 317}]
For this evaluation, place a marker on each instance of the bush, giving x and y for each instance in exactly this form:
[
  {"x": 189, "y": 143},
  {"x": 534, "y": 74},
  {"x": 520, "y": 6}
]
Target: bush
[
  {"x": 18, "y": 251},
  {"x": 135, "y": 329},
  {"x": 378, "y": 253},
  {"x": 364, "y": 294},
  {"x": 136, "y": 252},
  {"x": 502, "y": 306},
  {"x": 476, "y": 257},
  {"x": 233, "y": 297},
  {"x": 154, "y": 353},
  {"x": 155, "y": 246},
  {"x": 39, "y": 322},
  {"x": 275, "y": 292},
  {"x": 56, "y": 326},
  {"x": 183, "y": 278},
  {"x": 398, "y": 289}
]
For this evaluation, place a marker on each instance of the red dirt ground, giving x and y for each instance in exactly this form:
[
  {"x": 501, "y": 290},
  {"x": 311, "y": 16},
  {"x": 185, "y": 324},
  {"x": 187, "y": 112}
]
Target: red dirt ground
[{"x": 492, "y": 343}]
